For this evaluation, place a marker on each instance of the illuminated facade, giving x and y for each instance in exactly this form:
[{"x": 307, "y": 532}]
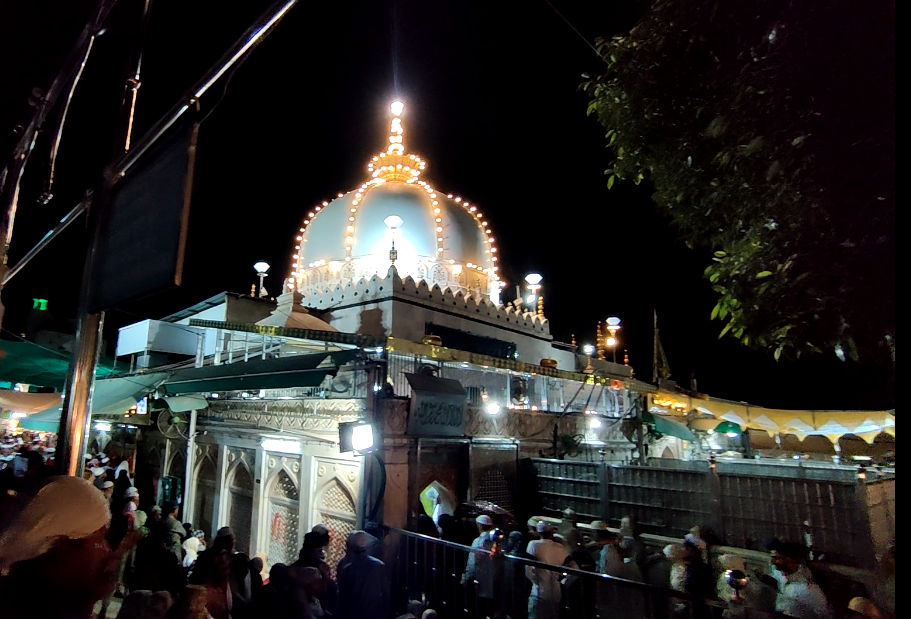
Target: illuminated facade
[{"x": 391, "y": 281}]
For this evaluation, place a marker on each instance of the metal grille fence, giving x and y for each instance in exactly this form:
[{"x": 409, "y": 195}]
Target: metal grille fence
[
  {"x": 424, "y": 568},
  {"x": 576, "y": 485},
  {"x": 742, "y": 503}
]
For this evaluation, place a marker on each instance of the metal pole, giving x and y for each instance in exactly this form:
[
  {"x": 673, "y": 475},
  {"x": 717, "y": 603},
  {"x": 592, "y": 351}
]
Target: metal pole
[
  {"x": 260, "y": 29},
  {"x": 68, "y": 219},
  {"x": 640, "y": 437},
  {"x": 11, "y": 176},
  {"x": 80, "y": 384},
  {"x": 254, "y": 35},
  {"x": 188, "y": 473},
  {"x": 77, "y": 404}
]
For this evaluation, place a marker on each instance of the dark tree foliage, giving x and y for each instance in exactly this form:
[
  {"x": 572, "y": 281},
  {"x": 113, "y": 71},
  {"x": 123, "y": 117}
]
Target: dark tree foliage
[{"x": 767, "y": 129}]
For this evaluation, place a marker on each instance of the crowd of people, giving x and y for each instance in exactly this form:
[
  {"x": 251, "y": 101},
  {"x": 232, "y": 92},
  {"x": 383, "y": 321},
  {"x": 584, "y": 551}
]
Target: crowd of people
[
  {"x": 67, "y": 543},
  {"x": 785, "y": 588},
  {"x": 24, "y": 448}
]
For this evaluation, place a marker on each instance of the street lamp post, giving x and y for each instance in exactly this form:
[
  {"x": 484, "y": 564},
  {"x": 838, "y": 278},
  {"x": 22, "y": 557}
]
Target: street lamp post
[
  {"x": 613, "y": 326},
  {"x": 262, "y": 270},
  {"x": 589, "y": 350},
  {"x": 533, "y": 283}
]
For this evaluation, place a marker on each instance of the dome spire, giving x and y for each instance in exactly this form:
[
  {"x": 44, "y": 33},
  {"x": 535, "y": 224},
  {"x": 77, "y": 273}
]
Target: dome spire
[
  {"x": 395, "y": 165},
  {"x": 396, "y": 131}
]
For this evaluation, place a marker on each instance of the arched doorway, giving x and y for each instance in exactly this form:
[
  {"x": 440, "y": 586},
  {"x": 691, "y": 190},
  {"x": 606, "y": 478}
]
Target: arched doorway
[
  {"x": 240, "y": 506},
  {"x": 204, "y": 499},
  {"x": 338, "y": 512},
  {"x": 284, "y": 508}
]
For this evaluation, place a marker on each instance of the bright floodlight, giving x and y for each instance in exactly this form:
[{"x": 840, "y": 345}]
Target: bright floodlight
[
  {"x": 530, "y": 299},
  {"x": 261, "y": 267},
  {"x": 397, "y": 108},
  {"x": 611, "y": 341},
  {"x": 533, "y": 279},
  {"x": 493, "y": 408},
  {"x": 594, "y": 423},
  {"x": 362, "y": 437},
  {"x": 393, "y": 221},
  {"x": 613, "y": 321},
  {"x": 588, "y": 349}
]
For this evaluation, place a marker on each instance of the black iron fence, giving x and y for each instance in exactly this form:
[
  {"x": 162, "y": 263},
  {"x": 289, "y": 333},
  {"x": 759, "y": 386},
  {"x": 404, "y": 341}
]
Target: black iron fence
[{"x": 434, "y": 571}]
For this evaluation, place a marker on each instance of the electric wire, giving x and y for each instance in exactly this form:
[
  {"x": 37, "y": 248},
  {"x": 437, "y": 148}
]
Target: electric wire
[{"x": 573, "y": 28}]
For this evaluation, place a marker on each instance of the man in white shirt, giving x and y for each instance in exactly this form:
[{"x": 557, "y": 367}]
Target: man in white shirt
[
  {"x": 546, "y": 593},
  {"x": 478, "y": 568},
  {"x": 799, "y": 597}
]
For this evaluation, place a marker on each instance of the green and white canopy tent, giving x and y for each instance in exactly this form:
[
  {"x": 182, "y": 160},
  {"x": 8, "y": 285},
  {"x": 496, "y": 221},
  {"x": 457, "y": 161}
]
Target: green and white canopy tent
[{"x": 31, "y": 364}]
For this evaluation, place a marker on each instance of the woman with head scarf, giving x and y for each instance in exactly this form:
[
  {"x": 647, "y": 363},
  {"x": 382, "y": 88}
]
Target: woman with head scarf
[
  {"x": 53, "y": 550},
  {"x": 121, "y": 479}
]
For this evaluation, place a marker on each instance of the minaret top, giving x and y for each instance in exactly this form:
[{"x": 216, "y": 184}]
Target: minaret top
[{"x": 395, "y": 165}]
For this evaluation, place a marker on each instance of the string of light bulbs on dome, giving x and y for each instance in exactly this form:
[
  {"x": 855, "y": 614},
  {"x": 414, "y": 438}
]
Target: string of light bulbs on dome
[{"x": 395, "y": 166}]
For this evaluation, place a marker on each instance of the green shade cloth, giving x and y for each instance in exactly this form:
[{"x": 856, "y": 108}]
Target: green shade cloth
[
  {"x": 281, "y": 373},
  {"x": 669, "y": 427},
  {"x": 28, "y": 363}
]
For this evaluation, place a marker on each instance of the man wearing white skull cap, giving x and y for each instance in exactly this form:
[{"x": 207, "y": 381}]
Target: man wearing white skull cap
[{"x": 53, "y": 549}]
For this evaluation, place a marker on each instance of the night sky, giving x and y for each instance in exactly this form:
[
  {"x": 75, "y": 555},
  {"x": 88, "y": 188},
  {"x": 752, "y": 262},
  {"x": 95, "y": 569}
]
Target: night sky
[{"x": 492, "y": 103}]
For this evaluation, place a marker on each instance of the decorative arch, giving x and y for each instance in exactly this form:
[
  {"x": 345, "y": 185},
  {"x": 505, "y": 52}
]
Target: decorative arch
[
  {"x": 240, "y": 504},
  {"x": 153, "y": 458},
  {"x": 206, "y": 476},
  {"x": 337, "y": 509},
  {"x": 177, "y": 467},
  {"x": 284, "y": 519}
]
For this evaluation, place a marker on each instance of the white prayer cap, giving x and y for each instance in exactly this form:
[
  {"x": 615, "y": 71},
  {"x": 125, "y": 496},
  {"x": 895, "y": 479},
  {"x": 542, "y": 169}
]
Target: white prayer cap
[
  {"x": 107, "y": 484},
  {"x": 544, "y": 527},
  {"x": 131, "y": 492},
  {"x": 65, "y": 508},
  {"x": 484, "y": 519},
  {"x": 97, "y": 471}
]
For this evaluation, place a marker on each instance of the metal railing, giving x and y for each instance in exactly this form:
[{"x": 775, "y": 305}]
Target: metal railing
[{"x": 432, "y": 570}]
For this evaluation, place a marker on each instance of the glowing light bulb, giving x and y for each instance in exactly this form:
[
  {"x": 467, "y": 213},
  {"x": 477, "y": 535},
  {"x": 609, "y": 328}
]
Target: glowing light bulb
[{"x": 397, "y": 108}]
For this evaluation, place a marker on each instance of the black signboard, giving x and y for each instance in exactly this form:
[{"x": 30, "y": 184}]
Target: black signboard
[
  {"x": 143, "y": 236},
  {"x": 437, "y": 406}
]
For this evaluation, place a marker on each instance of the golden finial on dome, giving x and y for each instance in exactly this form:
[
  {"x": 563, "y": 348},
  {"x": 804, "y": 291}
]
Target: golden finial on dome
[{"x": 395, "y": 165}]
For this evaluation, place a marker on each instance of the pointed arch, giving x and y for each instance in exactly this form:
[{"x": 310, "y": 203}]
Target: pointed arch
[
  {"x": 204, "y": 495},
  {"x": 177, "y": 467},
  {"x": 336, "y": 508},
  {"x": 240, "y": 504},
  {"x": 284, "y": 519}
]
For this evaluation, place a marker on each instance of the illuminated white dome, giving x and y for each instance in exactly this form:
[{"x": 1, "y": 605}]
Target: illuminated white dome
[{"x": 437, "y": 238}]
